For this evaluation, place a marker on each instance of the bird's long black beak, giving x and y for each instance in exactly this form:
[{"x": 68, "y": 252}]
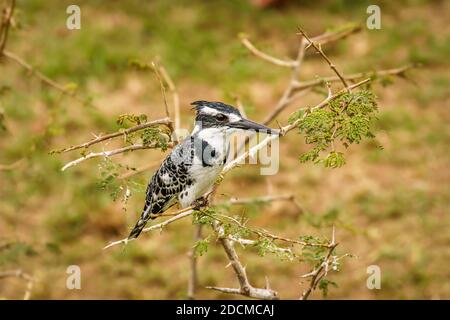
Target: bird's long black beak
[{"x": 246, "y": 124}]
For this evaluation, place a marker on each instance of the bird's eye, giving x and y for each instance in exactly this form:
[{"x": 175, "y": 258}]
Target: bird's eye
[{"x": 221, "y": 117}]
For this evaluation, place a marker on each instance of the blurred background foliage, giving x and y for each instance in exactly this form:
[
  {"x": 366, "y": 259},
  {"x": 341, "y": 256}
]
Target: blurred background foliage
[{"x": 390, "y": 205}]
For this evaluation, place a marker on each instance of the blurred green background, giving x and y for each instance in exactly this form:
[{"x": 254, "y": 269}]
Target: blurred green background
[{"x": 390, "y": 205}]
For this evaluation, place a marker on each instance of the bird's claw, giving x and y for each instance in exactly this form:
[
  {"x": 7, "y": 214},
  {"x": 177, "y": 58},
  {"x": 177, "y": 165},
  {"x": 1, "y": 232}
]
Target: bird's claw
[{"x": 200, "y": 203}]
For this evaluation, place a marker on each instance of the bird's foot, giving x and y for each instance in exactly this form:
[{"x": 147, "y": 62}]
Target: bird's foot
[{"x": 200, "y": 203}]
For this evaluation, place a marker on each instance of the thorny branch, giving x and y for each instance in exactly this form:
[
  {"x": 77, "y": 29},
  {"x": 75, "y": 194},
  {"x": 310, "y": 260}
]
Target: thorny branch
[
  {"x": 180, "y": 214},
  {"x": 154, "y": 123},
  {"x": 109, "y": 153},
  {"x": 322, "y": 271},
  {"x": 291, "y": 92},
  {"x": 318, "y": 48},
  {"x": 294, "y": 90},
  {"x": 245, "y": 288},
  {"x": 355, "y": 76}
]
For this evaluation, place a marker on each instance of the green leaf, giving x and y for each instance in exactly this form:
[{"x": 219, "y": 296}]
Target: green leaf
[
  {"x": 324, "y": 284},
  {"x": 334, "y": 160},
  {"x": 201, "y": 247}
]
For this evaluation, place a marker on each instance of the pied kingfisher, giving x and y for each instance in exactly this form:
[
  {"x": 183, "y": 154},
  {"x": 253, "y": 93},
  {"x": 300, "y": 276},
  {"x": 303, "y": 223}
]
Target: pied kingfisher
[{"x": 193, "y": 166}]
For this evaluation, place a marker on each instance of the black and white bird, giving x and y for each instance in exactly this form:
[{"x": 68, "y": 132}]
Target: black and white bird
[{"x": 193, "y": 166}]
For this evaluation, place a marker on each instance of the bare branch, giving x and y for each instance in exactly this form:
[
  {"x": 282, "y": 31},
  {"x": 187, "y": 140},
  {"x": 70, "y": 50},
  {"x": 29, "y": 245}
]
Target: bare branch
[
  {"x": 15, "y": 273},
  {"x": 284, "y": 63},
  {"x": 12, "y": 166},
  {"x": 248, "y": 242},
  {"x": 333, "y": 36},
  {"x": 286, "y": 97},
  {"x": 5, "y": 24},
  {"x": 193, "y": 279},
  {"x": 316, "y": 82},
  {"x": 263, "y": 199},
  {"x": 109, "y": 153},
  {"x": 175, "y": 96},
  {"x": 265, "y": 233},
  {"x": 164, "y": 121},
  {"x": 22, "y": 275},
  {"x": 162, "y": 87},
  {"x": 179, "y": 215},
  {"x": 245, "y": 288},
  {"x": 330, "y": 63},
  {"x": 318, "y": 274},
  {"x": 187, "y": 212},
  {"x": 42, "y": 77}
]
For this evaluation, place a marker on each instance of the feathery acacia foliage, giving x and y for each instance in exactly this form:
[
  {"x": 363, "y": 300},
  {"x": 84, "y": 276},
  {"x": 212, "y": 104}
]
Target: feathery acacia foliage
[{"x": 346, "y": 119}]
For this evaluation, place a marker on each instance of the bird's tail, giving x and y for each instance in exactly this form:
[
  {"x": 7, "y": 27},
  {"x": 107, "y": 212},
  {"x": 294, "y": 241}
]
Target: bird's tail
[{"x": 140, "y": 224}]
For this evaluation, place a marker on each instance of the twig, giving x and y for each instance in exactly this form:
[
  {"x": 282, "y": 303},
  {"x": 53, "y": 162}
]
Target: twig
[
  {"x": 240, "y": 106},
  {"x": 179, "y": 215},
  {"x": 330, "y": 63},
  {"x": 15, "y": 273},
  {"x": 265, "y": 56},
  {"x": 268, "y": 198},
  {"x": 139, "y": 170},
  {"x": 42, "y": 77},
  {"x": 4, "y": 31},
  {"x": 22, "y": 275},
  {"x": 333, "y": 36},
  {"x": 313, "y": 83},
  {"x": 193, "y": 274},
  {"x": 248, "y": 242},
  {"x": 5, "y": 23},
  {"x": 175, "y": 97},
  {"x": 286, "y": 97},
  {"x": 321, "y": 39},
  {"x": 185, "y": 213},
  {"x": 265, "y": 233},
  {"x": 318, "y": 274},
  {"x": 163, "y": 88},
  {"x": 109, "y": 153},
  {"x": 245, "y": 288},
  {"x": 164, "y": 121},
  {"x": 12, "y": 166}
]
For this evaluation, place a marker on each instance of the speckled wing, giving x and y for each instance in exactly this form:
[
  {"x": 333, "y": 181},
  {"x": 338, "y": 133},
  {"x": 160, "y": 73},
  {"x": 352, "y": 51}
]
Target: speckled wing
[{"x": 166, "y": 184}]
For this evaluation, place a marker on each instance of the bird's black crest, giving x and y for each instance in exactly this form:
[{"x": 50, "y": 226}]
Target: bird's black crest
[{"x": 220, "y": 106}]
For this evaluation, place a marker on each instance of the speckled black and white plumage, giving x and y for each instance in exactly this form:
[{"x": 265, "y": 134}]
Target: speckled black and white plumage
[
  {"x": 192, "y": 167},
  {"x": 168, "y": 182}
]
